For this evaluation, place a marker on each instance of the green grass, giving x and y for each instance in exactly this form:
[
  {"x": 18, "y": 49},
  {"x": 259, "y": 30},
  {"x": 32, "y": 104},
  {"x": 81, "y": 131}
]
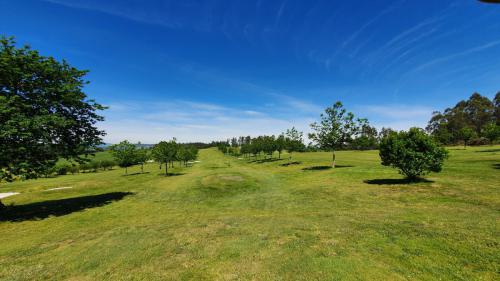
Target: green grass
[
  {"x": 99, "y": 156},
  {"x": 259, "y": 221}
]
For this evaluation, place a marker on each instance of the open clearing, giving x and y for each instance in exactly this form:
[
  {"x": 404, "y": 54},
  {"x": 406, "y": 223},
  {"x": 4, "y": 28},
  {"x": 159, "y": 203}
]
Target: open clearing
[{"x": 259, "y": 220}]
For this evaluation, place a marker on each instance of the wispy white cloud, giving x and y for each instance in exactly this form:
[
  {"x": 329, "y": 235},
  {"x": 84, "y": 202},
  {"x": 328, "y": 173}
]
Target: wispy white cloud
[
  {"x": 188, "y": 121},
  {"x": 456, "y": 55}
]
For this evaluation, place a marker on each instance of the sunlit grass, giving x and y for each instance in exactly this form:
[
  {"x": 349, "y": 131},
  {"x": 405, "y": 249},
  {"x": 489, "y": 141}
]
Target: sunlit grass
[{"x": 230, "y": 219}]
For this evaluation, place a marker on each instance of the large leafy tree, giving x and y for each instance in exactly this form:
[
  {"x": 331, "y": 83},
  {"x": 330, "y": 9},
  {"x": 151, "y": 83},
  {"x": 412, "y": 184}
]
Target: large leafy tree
[
  {"x": 44, "y": 113},
  {"x": 414, "y": 153},
  {"x": 336, "y": 129},
  {"x": 475, "y": 113}
]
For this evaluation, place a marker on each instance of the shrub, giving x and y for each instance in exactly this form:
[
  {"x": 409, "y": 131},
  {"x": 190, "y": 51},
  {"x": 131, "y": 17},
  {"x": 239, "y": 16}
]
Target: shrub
[
  {"x": 84, "y": 167},
  {"x": 94, "y": 165},
  {"x": 74, "y": 169},
  {"x": 107, "y": 164},
  {"x": 414, "y": 153},
  {"x": 479, "y": 141},
  {"x": 62, "y": 169}
]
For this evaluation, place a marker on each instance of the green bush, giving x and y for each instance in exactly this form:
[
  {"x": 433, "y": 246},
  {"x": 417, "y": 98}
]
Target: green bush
[
  {"x": 62, "y": 169},
  {"x": 479, "y": 141},
  {"x": 94, "y": 165},
  {"x": 414, "y": 153},
  {"x": 107, "y": 164},
  {"x": 74, "y": 169},
  {"x": 84, "y": 167}
]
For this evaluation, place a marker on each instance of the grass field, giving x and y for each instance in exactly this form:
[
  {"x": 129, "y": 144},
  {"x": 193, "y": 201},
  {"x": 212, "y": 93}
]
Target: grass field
[{"x": 230, "y": 219}]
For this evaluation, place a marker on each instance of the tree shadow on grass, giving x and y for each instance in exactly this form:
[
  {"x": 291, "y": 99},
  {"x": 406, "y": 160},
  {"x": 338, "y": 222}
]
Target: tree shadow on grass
[
  {"x": 321, "y": 168},
  {"x": 396, "y": 181},
  {"x": 291, "y": 163},
  {"x": 260, "y": 161},
  {"x": 490, "y": 150},
  {"x": 59, "y": 207},
  {"x": 496, "y": 166},
  {"x": 135, "y": 174},
  {"x": 172, "y": 174}
]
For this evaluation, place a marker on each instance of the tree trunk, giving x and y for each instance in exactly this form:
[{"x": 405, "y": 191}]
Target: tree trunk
[
  {"x": 126, "y": 171},
  {"x": 279, "y": 154},
  {"x": 333, "y": 159},
  {"x": 166, "y": 170},
  {"x": 142, "y": 168}
]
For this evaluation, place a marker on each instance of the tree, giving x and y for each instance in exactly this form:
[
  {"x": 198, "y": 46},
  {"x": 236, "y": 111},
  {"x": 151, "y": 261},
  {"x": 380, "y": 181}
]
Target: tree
[
  {"x": 466, "y": 134},
  {"x": 480, "y": 111},
  {"x": 474, "y": 113},
  {"x": 492, "y": 132},
  {"x": 142, "y": 156},
  {"x": 269, "y": 145},
  {"x": 294, "y": 141},
  {"x": 44, "y": 113},
  {"x": 280, "y": 144},
  {"x": 336, "y": 129},
  {"x": 414, "y": 153},
  {"x": 496, "y": 101},
  {"x": 367, "y": 137},
  {"x": 125, "y": 154},
  {"x": 165, "y": 152}
]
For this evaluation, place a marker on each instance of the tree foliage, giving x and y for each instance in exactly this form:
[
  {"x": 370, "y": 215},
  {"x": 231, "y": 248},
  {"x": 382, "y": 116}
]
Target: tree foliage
[
  {"x": 125, "y": 154},
  {"x": 44, "y": 113},
  {"x": 413, "y": 153},
  {"x": 294, "y": 141},
  {"x": 165, "y": 152},
  {"x": 336, "y": 129},
  {"x": 476, "y": 113}
]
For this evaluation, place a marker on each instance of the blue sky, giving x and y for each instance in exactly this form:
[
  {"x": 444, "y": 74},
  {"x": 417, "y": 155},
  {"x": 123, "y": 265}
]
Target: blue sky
[{"x": 205, "y": 70}]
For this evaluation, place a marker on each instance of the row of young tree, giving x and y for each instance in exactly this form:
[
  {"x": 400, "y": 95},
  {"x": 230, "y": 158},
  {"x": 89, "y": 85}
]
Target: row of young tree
[
  {"x": 474, "y": 121},
  {"x": 291, "y": 141},
  {"x": 127, "y": 154},
  {"x": 167, "y": 152},
  {"x": 337, "y": 129},
  {"x": 414, "y": 153}
]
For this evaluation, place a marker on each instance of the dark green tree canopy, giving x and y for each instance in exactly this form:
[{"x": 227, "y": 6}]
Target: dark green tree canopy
[
  {"x": 44, "y": 113},
  {"x": 414, "y": 153},
  {"x": 336, "y": 129},
  {"x": 475, "y": 113}
]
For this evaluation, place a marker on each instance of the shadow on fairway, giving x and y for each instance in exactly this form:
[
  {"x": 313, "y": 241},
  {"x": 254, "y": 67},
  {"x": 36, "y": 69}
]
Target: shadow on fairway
[
  {"x": 291, "y": 163},
  {"x": 490, "y": 150},
  {"x": 496, "y": 166},
  {"x": 265, "y": 160},
  {"x": 135, "y": 174},
  {"x": 172, "y": 174},
  {"x": 320, "y": 168},
  {"x": 395, "y": 181},
  {"x": 59, "y": 207}
]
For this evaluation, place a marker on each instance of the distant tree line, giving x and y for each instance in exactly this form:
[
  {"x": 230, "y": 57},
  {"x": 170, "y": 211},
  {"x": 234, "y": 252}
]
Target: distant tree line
[
  {"x": 475, "y": 121},
  {"x": 266, "y": 146}
]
